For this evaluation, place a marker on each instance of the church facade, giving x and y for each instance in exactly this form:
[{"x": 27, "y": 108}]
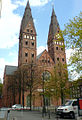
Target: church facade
[{"x": 28, "y": 56}]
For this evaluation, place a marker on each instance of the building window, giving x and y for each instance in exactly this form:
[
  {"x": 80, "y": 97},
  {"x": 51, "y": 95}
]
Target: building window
[
  {"x": 55, "y": 42},
  {"x": 43, "y": 60},
  {"x": 56, "y": 48},
  {"x": 48, "y": 60},
  {"x": 27, "y": 30},
  {"x": 32, "y": 55},
  {"x": 63, "y": 59},
  {"x": 32, "y": 43},
  {"x": 26, "y": 42},
  {"x": 26, "y": 60},
  {"x": 62, "y": 49},
  {"x": 53, "y": 60},
  {"x": 31, "y": 37},
  {"x": 58, "y": 59},
  {"x": 31, "y": 31},
  {"x": 62, "y": 43},
  {"x": 26, "y": 54},
  {"x": 25, "y": 36}
]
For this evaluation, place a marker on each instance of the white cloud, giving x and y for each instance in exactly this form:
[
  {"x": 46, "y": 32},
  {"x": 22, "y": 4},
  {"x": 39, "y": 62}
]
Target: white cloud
[
  {"x": 68, "y": 54},
  {"x": 41, "y": 49},
  {"x": 33, "y": 2},
  {"x": 9, "y": 25}
]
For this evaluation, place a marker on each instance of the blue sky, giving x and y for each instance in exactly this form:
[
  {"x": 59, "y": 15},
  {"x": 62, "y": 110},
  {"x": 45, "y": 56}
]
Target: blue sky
[{"x": 12, "y": 12}]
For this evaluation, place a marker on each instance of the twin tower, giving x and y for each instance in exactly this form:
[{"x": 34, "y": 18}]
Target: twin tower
[{"x": 27, "y": 41}]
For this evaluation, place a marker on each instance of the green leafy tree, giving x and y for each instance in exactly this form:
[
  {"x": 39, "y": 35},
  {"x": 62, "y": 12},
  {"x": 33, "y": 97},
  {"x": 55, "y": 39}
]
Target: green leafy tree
[
  {"x": 57, "y": 86},
  {"x": 27, "y": 80},
  {"x": 73, "y": 38}
]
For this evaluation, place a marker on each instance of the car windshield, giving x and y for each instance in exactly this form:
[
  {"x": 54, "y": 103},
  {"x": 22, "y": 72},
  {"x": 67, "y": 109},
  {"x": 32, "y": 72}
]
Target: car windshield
[{"x": 68, "y": 103}]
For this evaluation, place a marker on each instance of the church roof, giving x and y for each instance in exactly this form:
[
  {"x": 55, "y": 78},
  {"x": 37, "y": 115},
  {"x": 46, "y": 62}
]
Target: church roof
[
  {"x": 9, "y": 70},
  {"x": 27, "y": 17},
  {"x": 54, "y": 24}
]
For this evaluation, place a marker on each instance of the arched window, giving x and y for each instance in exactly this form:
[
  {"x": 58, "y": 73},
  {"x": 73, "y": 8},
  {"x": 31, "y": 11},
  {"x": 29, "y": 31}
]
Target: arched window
[{"x": 46, "y": 75}]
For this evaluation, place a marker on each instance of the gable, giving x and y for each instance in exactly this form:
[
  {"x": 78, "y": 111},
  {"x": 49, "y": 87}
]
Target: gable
[{"x": 44, "y": 58}]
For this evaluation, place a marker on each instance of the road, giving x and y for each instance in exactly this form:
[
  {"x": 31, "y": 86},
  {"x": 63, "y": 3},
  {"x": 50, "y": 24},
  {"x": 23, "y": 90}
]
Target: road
[{"x": 30, "y": 115}]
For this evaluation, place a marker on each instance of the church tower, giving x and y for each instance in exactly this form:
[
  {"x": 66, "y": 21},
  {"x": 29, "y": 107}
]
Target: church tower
[
  {"x": 27, "y": 39},
  {"x": 56, "y": 47}
]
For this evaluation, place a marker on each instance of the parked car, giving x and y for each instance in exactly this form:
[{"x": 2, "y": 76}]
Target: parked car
[
  {"x": 69, "y": 109},
  {"x": 17, "y": 107}
]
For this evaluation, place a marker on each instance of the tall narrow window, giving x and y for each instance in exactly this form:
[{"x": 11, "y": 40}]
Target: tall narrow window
[
  {"x": 31, "y": 31},
  {"x": 32, "y": 43},
  {"x": 63, "y": 59},
  {"x": 26, "y": 54},
  {"x": 32, "y": 55},
  {"x": 58, "y": 59},
  {"x": 33, "y": 38},
  {"x": 25, "y": 36},
  {"x": 27, "y": 30},
  {"x": 26, "y": 60},
  {"x": 48, "y": 60},
  {"x": 56, "y": 48},
  {"x": 62, "y": 49},
  {"x": 26, "y": 42}
]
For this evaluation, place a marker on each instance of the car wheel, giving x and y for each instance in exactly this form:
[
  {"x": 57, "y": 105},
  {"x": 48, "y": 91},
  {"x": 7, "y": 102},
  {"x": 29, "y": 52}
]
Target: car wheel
[{"x": 72, "y": 115}]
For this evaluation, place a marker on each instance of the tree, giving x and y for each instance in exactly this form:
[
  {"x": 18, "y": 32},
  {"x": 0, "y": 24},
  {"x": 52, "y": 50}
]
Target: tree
[
  {"x": 57, "y": 86},
  {"x": 12, "y": 88},
  {"x": 28, "y": 81},
  {"x": 73, "y": 37}
]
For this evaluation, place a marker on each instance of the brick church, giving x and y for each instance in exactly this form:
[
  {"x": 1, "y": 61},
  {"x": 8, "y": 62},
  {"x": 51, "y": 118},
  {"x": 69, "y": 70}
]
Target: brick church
[{"x": 28, "y": 54}]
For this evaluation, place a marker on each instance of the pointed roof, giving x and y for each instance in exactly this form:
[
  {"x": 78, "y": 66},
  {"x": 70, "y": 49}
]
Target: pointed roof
[
  {"x": 42, "y": 54},
  {"x": 54, "y": 24},
  {"x": 27, "y": 17}
]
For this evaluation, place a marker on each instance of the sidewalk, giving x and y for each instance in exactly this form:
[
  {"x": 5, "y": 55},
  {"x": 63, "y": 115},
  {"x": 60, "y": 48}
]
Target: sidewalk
[
  {"x": 31, "y": 115},
  {"x": 3, "y": 115}
]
